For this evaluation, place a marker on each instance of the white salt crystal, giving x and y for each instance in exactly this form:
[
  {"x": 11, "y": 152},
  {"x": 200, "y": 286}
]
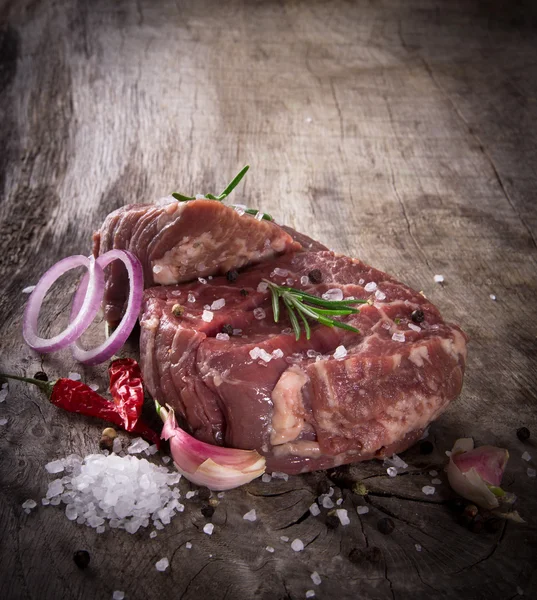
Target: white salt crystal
[
  {"x": 287, "y": 331},
  {"x": 118, "y": 595},
  {"x": 138, "y": 445},
  {"x": 343, "y": 516},
  {"x": 448, "y": 452},
  {"x": 264, "y": 355},
  {"x": 116, "y": 445},
  {"x": 74, "y": 376},
  {"x": 3, "y": 421},
  {"x": 259, "y": 216},
  {"x": 238, "y": 209},
  {"x": 191, "y": 298},
  {"x": 262, "y": 287},
  {"x": 312, "y": 353},
  {"x": 162, "y": 564},
  {"x": 418, "y": 547},
  {"x": 200, "y": 196},
  {"x": 280, "y": 475},
  {"x": 56, "y": 466},
  {"x": 433, "y": 473},
  {"x": 158, "y": 525},
  {"x": 310, "y": 594},
  {"x": 202, "y": 280},
  {"x": 266, "y": 478},
  {"x": 395, "y": 461},
  {"x": 29, "y": 289},
  {"x": 398, "y": 337},
  {"x": 29, "y": 504},
  {"x": 254, "y": 353},
  {"x": 362, "y": 510},
  {"x": 436, "y": 481},
  {"x": 94, "y": 386},
  {"x": 526, "y": 456},
  {"x": 339, "y": 501},
  {"x": 250, "y": 515},
  {"x": 188, "y": 545},
  {"x": 428, "y": 490},
  {"x": 361, "y": 281},
  {"x": 207, "y": 316},
  {"x": 259, "y": 313},
  {"x": 492, "y": 297},
  {"x": 304, "y": 280},
  {"x": 153, "y": 535},
  {"x": 315, "y": 577},
  {"x": 531, "y": 472},
  {"x": 297, "y": 545},
  {"x": 166, "y": 459},
  {"x": 45, "y": 501},
  {"x": 100, "y": 529},
  {"x": 315, "y": 510},
  {"x": 340, "y": 353},
  {"x": 55, "y": 488},
  {"x": 280, "y": 272},
  {"x": 392, "y": 471},
  {"x": 190, "y": 494},
  {"x": 218, "y": 304},
  {"x": 330, "y": 491},
  {"x": 416, "y": 328},
  {"x": 237, "y": 332},
  {"x": 370, "y": 287},
  {"x": 222, "y": 337},
  {"x": 284, "y": 538},
  {"x": 269, "y": 549},
  {"x": 333, "y": 294},
  {"x": 327, "y": 502},
  {"x": 70, "y": 512},
  {"x": 439, "y": 279},
  {"x": 220, "y": 495},
  {"x": 380, "y": 295},
  {"x": 208, "y": 528}
]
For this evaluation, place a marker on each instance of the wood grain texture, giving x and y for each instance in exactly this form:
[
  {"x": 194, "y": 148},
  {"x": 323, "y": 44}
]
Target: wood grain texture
[{"x": 403, "y": 133}]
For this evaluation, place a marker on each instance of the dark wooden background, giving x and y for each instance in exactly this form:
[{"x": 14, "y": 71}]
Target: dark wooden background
[{"x": 400, "y": 132}]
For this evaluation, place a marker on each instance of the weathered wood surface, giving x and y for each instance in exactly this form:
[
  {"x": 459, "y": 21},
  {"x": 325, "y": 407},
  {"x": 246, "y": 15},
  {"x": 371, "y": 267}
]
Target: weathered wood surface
[{"x": 400, "y": 132}]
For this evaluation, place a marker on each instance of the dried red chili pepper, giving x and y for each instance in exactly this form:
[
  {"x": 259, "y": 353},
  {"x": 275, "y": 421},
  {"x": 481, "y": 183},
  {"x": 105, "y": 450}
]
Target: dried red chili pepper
[{"x": 125, "y": 386}]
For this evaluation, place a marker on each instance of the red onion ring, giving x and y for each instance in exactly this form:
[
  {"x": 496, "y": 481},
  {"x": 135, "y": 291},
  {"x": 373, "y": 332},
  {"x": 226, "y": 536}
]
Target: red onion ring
[
  {"x": 109, "y": 347},
  {"x": 94, "y": 290}
]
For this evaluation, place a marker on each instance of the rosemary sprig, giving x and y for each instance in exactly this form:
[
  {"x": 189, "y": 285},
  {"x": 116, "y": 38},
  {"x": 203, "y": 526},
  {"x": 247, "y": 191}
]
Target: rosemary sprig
[
  {"x": 307, "y": 306},
  {"x": 229, "y": 188}
]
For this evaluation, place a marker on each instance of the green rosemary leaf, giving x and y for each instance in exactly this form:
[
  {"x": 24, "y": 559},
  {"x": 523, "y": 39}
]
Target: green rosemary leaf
[
  {"x": 292, "y": 316},
  {"x": 231, "y": 186},
  {"x": 275, "y": 304},
  {"x": 342, "y": 325},
  {"x": 182, "y": 198},
  {"x": 306, "y": 326},
  {"x": 254, "y": 211},
  {"x": 211, "y": 197},
  {"x": 338, "y": 312}
]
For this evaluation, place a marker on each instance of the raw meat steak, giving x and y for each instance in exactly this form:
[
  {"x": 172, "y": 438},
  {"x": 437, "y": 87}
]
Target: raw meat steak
[
  {"x": 340, "y": 397},
  {"x": 181, "y": 241}
]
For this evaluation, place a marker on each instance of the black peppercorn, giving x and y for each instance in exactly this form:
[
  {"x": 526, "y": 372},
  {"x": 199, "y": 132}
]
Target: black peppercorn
[
  {"x": 207, "y": 511},
  {"x": 315, "y": 276},
  {"x": 323, "y": 487},
  {"x": 82, "y": 559},
  {"x": 332, "y": 522},
  {"x": 227, "y": 329},
  {"x": 417, "y": 316},
  {"x": 426, "y": 447},
  {"x": 232, "y": 275},
  {"x": 41, "y": 376},
  {"x": 244, "y": 292},
  {"x": 385, "y": 526},
  {"x": 204, "y": 493},
  {"x": 523, "y": 434}
]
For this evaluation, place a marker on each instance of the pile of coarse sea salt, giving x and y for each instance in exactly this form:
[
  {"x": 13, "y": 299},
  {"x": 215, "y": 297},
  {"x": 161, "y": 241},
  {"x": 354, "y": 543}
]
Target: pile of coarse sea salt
[{"x": 125, "y": 492}]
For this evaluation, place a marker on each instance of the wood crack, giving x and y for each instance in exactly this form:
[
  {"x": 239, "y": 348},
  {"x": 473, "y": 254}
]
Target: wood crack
[{"x": 338, "y": 108}]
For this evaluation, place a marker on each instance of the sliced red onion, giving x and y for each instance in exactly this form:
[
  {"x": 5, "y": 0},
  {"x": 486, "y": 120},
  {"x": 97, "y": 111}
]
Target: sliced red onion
[
  {"x": 110, "y": 346},
  {"x": 89, "y": 305}
]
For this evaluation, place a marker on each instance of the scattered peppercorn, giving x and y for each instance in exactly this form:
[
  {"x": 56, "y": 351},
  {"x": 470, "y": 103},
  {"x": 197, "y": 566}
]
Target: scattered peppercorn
[
  {"x": 177, "y": 310},
  {"x": 82, "y": 559},
  {"x": 204, "y": 493},
  {"x": 315, "y": 276},
  {"x": 244, "y": 292},
  {"x": 332, "y": 522},
  {"x": 107, "y": 438},
  {"x": 207, "y": 511},
  {"x": 227, "y": 329},
  {"x": 385, "y": 526},
  {"x": 417, "y": 316},
  {"x": 41, "y": 376},
  {"x": 323, "y": 487},
  {"x": 232, "y": 275},
  {"x": 523, "y": 434},
  {"x": 426, "y": 447},
  {"x": 494, "y": 524}
]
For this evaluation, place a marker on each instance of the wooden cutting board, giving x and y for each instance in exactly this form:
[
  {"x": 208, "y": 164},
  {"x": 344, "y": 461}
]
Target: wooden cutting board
[{"x": 403, "y": 133}]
